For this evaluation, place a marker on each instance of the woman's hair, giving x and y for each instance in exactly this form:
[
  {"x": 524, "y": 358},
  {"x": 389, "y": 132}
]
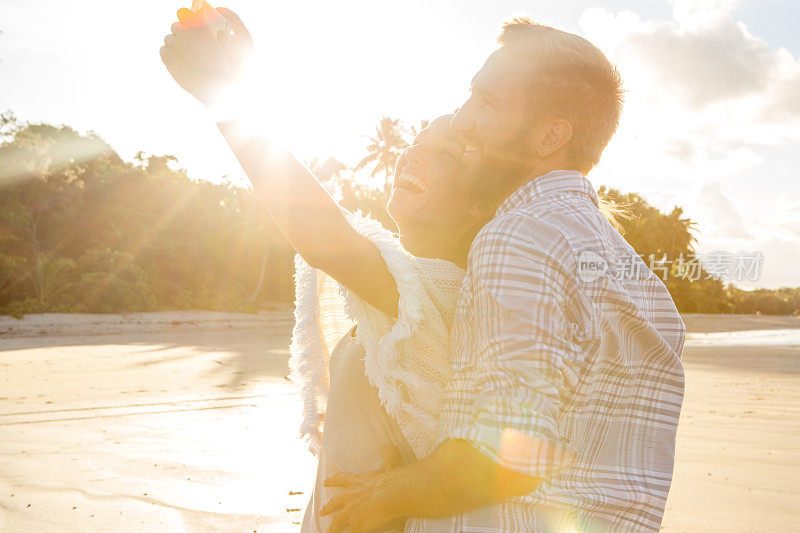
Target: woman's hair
[{"x": 615, "y": 213}]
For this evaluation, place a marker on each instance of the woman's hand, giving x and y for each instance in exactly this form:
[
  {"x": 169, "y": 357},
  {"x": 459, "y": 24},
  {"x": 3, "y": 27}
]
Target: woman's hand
[
  {"x": 237, "y": 46},
  {"x": 202, "y": 63},
  {"x": 206, "y": 65}
]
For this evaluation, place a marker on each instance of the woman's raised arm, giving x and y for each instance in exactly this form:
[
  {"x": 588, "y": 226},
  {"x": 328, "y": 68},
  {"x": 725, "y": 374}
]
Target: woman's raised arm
[
  {"x": 203, "y": 64},
  {"x": 312, "y": 221}
]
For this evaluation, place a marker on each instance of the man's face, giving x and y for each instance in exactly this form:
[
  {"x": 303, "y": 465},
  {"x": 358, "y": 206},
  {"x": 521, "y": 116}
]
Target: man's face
[{"x": 495, "y": 124}]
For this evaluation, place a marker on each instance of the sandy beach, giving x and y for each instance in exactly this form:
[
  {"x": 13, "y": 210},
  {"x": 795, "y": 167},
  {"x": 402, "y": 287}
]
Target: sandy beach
[{"x": 185, "y": 421}]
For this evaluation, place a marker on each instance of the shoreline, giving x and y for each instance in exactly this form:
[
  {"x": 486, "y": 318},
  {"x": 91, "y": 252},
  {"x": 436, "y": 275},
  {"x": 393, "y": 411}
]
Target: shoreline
[
  {"x": 281, "y": 315},
  {"x": 85, "y": 324}
]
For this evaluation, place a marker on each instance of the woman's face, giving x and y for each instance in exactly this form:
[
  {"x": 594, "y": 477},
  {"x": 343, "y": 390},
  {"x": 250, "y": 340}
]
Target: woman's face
[{"x": 426, "y": 203}]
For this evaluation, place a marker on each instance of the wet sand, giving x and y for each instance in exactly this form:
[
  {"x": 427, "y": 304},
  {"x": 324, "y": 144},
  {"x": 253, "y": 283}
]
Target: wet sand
[
  {"x": 738, "y": 452},
  {"x": 186, "y": 425},
  {"x": 185, "y": 422}
]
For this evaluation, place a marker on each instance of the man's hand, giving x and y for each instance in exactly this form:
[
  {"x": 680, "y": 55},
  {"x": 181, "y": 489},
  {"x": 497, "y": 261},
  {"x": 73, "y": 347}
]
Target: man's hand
[
  {"x": 367, "y": 501},
  {"x": 453, "y": 479},
  {"x": 202, "y": 63},
  {"x": 365, "y": 504}
]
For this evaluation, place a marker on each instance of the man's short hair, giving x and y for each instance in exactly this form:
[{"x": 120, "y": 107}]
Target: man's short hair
[{"x": 574, "y": 81}]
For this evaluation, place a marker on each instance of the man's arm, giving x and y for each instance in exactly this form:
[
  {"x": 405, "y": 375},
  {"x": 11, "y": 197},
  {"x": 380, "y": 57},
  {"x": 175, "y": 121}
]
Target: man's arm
[
  {"x": 453, "y": 479},
  {"x": 525, "y": 318},
  {"x": 524, "y": 360}
]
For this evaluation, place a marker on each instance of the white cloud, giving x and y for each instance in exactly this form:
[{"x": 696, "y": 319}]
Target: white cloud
[
  {"x": 711, "y": 122},
  {"x": 691, "y": 10},
  {"x": 708, "y": 64},
  {"x": 785, "y": 218},
  {"x": 706, "y": 57},
  {"x": 726, "y": 220},
  {"x": 785, "y": 101}
]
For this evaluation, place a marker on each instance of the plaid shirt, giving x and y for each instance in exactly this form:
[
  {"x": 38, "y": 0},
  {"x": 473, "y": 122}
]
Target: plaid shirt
[{"x": 566, "y": 366}]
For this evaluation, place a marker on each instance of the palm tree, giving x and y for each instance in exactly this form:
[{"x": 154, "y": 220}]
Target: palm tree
[
  {"x": 680, "y": 232},
  {"x": 385, "y": 148}
]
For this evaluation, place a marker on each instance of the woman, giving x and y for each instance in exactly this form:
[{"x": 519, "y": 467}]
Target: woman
[
  {"x": 385, "y": 379},
  {"x": 387, "y": 376}
]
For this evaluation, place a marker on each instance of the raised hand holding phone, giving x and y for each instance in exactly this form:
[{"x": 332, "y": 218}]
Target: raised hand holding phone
[
  {"x": 211, "y": 17},
  {"x": 202, "y": 54},
  {"x": 205, "y": 63}
]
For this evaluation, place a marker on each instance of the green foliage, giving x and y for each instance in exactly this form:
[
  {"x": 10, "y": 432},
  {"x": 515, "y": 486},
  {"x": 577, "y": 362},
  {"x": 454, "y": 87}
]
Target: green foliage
[
  {"x": 785, "y": 301},
  {"x": 656, "y": 234},
  {"x": 369, "y": 201},
  {"x": 385, "y": 148},
  {"x": 81, "y": 230}
]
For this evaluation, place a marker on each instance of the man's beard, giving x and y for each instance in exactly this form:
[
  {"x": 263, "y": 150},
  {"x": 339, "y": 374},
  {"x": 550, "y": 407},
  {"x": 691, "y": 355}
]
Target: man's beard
[{"x": 499, "y": 172}]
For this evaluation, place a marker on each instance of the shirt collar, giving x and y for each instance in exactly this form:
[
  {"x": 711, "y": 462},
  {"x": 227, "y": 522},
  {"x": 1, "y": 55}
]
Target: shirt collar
[{"x": 555, "y": 182}]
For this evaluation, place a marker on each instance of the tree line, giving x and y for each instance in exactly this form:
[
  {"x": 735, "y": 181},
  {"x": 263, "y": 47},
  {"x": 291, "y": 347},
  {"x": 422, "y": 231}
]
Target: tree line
[{"x": 81, "y": 230}]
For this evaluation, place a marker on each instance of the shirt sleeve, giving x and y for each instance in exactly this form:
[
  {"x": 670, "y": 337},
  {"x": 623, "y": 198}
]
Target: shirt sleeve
[{"x": 524, "y": 349}]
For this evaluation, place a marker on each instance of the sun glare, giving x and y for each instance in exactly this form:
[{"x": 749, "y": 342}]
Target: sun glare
[{"x": 253, "y": 102}]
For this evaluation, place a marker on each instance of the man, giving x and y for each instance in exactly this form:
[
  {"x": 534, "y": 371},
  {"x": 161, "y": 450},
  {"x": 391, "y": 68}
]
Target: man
[{"x": 567, "y": 382}]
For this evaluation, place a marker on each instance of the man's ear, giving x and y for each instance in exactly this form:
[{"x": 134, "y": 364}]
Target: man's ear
[{"x": 554, "y": 136}]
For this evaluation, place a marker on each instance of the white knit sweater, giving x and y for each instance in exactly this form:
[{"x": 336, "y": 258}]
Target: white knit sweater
[{"x": 407, "y": 359}]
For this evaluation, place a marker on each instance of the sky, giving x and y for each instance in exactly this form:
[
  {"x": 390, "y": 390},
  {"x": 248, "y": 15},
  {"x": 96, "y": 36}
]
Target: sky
[{"x": 711, "y": 120}]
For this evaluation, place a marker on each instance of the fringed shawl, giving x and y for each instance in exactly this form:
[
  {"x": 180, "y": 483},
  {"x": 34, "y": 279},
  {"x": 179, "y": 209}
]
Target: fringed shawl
[{"x": 407, "y": 359}]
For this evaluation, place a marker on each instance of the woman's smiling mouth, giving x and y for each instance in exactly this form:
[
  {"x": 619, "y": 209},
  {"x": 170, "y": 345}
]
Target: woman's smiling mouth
[{"x": 409, "y": 182}]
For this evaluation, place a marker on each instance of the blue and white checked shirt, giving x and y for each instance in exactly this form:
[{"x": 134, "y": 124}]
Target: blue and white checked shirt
[{"x": 566, "y": 366}]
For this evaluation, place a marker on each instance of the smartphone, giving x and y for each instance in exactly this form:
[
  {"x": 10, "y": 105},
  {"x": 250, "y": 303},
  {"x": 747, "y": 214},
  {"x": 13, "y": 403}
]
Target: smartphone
[{"x": 216, "y": 22}]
